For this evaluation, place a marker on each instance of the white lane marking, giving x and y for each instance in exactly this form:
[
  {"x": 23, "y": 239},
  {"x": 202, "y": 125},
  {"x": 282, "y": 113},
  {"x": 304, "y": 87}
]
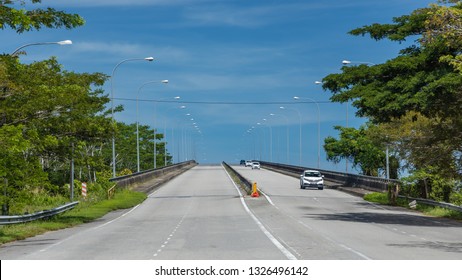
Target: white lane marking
[
  {"x": 89, "y": 229},
  {"x": 115, "y": 219},
  {"x": 156, "y": 254},
  {"x": 305, "y": 225},
  {"x": 276, "y": 243},
  {"x": 267, "y": 198},
  {"x": 354, "y": 251}
]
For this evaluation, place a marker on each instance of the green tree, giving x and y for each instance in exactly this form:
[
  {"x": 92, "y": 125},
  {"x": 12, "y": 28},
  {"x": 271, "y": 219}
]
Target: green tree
[
  {"x": 357, "y": 147},
  {"x": 126, "y": 153},
  {"x": 15, "y": 163},
  {"x": 421, "y": 83},
  {"x": 14, "y": 14},
  {"x": 65, "y": 112}
]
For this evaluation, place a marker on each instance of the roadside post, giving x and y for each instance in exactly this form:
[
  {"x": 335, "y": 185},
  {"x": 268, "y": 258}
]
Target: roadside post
[{"x": 255, "y": 192}]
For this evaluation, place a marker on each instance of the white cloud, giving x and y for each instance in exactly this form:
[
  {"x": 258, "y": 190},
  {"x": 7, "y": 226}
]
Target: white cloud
[
  {"x": 106, "y": 47},
  {"x": 250, "y": 15}
]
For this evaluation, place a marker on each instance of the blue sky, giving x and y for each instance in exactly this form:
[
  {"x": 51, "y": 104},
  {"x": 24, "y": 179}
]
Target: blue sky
[{"x": 232, "y": 63}]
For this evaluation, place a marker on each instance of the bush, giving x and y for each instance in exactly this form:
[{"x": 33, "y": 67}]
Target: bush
[{"x": 456, "y": 198}]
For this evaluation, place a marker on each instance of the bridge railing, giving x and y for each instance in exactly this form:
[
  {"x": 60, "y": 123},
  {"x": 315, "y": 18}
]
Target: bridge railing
[
  {"x": 353, "y": 180},
  {"x": 344, "y": 179},
  {"x": 121, "y": 182},
  {"x": 143, "y": 176}
]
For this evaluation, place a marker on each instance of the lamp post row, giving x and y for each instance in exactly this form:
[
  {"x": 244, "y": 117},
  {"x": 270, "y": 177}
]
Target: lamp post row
[
  {"x": 137, "y": 125},
  {"x": 112, "y": 107},
  {"x": 300, "y": 131},
  {"x": 69, "y": 42}
]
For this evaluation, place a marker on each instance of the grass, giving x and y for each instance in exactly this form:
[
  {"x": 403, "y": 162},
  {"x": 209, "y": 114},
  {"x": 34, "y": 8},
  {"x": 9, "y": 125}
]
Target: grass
[
  {"x": 85, "y": 212},
  {"x": 433, "y": 211}
]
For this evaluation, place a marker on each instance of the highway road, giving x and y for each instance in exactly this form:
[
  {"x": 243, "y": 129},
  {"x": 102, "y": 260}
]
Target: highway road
[
  {"x": 201, "y": 215},
  {"x": 330, "y": 224}
]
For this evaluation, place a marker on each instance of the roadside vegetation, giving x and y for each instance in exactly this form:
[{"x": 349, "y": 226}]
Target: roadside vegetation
[
  {"x": 52, "y": 119},
  {"x": 57, "y": 124},
  {"x": 383, "y": 198},
  {"x": 85, "y": 211},
  {"x": 412, "y": 103}
]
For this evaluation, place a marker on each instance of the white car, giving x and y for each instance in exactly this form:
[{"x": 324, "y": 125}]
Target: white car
[
  {"x": 312, "y": 178},
  {"x": 248, "y": 163},
  {"x": 255, "y": 165}
]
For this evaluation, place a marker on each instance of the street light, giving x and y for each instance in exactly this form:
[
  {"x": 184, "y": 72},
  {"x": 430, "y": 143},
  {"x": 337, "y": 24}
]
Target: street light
[
  {"x": 271, "y": 139},
  {"x": 345, "y": 62},
  {"x": 173, "y": 137},
  {"x": 287, "y": 133},
  {"x": 137, "y": 124},
  {"x": 150, "y": 58},
  {"x": 165, "y": 135},
  {"x": 300, "y": 129},
  {"x": 319, "y": 126},
  {"x": 65, "y": 42},
  {"x": 260, "y": 142}
]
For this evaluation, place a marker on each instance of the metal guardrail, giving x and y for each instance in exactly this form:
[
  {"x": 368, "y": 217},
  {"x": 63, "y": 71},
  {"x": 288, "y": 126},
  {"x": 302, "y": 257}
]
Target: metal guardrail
[
  {"x": 352, "y": 180},
  {"x": 345, "y": 179},
  {"x": 434, "y": 203},
  {"x": 123, "y": 182},
  {"x": 7, "y": 220}
]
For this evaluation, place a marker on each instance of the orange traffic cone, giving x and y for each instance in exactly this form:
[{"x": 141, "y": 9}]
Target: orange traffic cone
[{"x": 255, "y": 192}]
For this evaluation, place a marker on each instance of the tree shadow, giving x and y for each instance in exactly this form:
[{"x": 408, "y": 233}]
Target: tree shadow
[
  {"x": 449, "y": 247},
  {"x": 387, "y": 218}
]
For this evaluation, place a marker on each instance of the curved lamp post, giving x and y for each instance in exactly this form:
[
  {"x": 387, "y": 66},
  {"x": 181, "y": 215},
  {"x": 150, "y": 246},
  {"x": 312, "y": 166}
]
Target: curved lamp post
[
  {"x": 112, "y": 106},
  {"x": 173, "y": 137},
  {"x": 271, "y": 138},
  {"x": 137, "y": 124},
  {"x": 287, "y": 132},
  {"x": 319, "y": 125},
  {"x": 346, "y": 62},
  {"x": 300, "y": 129},
  {"x": 165, "y": 135},
  {"x": 65, "y": 42}
]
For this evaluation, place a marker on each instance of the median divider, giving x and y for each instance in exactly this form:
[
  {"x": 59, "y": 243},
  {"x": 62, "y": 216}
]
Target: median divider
[{"x": 241, "y": 180}]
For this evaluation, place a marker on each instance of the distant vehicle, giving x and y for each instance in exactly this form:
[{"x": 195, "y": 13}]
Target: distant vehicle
[
  {"x": 248, "y": 163},
  {"x": 242, "y": 162},
  {"x": 255, "y": 165},
  {"x": 312, "y": 178}
]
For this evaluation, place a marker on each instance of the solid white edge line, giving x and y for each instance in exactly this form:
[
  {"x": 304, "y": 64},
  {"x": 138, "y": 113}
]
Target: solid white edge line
[
  {"x": 273, "y": 239},
  {"x": 267, "y": 198}
]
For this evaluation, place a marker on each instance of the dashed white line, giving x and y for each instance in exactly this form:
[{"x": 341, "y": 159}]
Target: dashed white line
[{"x": 167, "y": 240}]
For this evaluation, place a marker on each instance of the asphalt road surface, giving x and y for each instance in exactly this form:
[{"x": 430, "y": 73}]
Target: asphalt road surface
[
  {"x": 330, "y": 224},
  {"x": 201, "y": 215}
]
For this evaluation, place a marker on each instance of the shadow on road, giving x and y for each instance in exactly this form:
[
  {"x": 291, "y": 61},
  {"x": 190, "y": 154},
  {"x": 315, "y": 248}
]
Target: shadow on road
[
  {"x": 450, "y": 247},
  {"x": 387, "y": 218}
]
